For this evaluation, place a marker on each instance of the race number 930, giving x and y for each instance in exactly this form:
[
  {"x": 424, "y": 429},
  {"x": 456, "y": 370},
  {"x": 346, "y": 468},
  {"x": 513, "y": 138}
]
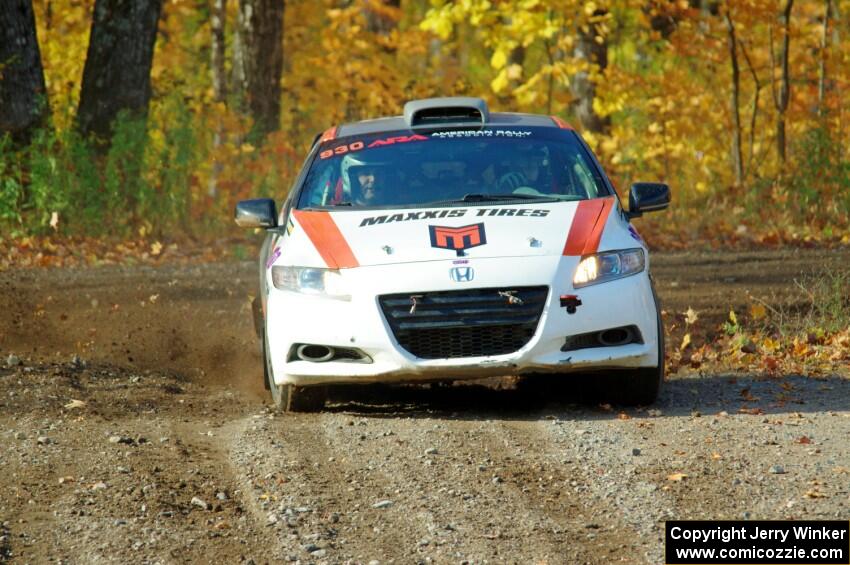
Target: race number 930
[{"x": 341, "y": 150}]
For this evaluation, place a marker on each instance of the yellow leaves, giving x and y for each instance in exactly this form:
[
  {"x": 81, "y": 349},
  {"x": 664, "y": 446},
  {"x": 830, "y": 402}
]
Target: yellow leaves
[
  {"x": 691, "y": 316},
  {"x": 514, "y": 72},
  {"x": 609, "y": 145},
  {"x": 63, "y": 41},
  {"x": 686, "y": 341},
  {"x": 757, "y": 311},
  {"x": 677, "y": 477},
  {"x": 770, "y": 345},
  {"x": 607, "y": 104},
  {"x": 498, "y": 60},
  {"x": 156, "y": 248},
  {"x": 592, "y": 139},
  {"x": 443, "y": 16},
  {"x": 499, "y": 83},
  {"x": 143, "y": 230}
]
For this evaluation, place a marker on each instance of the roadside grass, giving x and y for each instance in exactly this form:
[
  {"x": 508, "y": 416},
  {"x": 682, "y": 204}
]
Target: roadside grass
[
  {"x": 823, "y": 307},
  {"x": 808, "y": 334}
]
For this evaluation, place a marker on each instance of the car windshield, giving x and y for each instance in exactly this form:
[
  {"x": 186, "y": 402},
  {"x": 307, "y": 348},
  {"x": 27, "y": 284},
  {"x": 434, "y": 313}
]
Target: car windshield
[{"x": 406, "y": 169}]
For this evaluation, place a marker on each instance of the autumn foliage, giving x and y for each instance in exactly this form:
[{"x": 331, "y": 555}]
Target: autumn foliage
[{"x": 682, "y": 92}]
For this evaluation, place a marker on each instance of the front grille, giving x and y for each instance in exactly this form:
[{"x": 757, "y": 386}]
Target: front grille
[{"x": 464, "y": 323}]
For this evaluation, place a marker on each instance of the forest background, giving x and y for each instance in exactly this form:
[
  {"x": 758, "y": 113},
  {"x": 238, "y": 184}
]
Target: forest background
[{"x": 146, "y": 120}]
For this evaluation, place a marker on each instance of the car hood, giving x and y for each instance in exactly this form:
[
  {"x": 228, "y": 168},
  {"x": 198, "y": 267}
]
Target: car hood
[{"x": 351, "y": 238}]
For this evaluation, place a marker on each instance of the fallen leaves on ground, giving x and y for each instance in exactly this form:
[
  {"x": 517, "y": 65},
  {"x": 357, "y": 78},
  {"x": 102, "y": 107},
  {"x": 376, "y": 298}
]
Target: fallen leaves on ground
[
  {"x": 755, "y": 352},
  {"x": 57, "y": 251}
]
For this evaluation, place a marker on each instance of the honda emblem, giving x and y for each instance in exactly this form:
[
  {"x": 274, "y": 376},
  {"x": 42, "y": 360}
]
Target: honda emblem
[{"x": 462, "y": 274}]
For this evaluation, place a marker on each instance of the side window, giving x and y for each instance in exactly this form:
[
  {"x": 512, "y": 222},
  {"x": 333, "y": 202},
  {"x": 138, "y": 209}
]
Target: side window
[
  {"x": 320, "y": 186},
  {"x": 322, "y": 190},
  {"x": 584, "y": 174}
]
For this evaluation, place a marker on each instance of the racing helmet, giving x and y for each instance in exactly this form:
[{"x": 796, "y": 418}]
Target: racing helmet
[
  {"x": 532, "y": 160},
  {"x": 352, "y": 164},
  {"x": 532, "y": 154}
]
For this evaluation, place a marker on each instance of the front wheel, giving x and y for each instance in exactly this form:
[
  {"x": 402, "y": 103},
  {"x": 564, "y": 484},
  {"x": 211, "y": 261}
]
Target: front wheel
[
  {"x": 291, "y": 398},
  {"x": 640, "y": 386}
]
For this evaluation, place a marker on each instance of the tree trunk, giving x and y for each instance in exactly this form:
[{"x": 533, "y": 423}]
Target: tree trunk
[
  {"x": 822, "y": 65},
  {"x": 23, "y": 95},
  {"x": 754, "y": 110},
  {"x": 117, "y": 72},
  {"x": 382, "y": 16},
  {"x": 237, "y": 71},
  {"x": 218, "y": 17},
  {"x": 737, "y": 157},
  {"x": 261, "y": 35},
  {"x": 781, "y": 98},
  {"x": 595, "y": 53}
]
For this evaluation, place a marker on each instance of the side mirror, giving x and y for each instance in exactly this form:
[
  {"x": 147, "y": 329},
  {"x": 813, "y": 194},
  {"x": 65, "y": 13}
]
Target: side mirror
[
  {"x": 256, "y": 213},
  {"x": 648, "y": 197}
]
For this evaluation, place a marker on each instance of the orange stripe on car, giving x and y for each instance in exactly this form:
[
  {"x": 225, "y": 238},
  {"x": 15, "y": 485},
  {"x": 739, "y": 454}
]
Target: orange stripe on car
[
  {"x": 328, "y": 135},
  {"x": 587, "y": 227},
  {"x": 561, "y": 123},
  {"x": 327, "y": 239}
]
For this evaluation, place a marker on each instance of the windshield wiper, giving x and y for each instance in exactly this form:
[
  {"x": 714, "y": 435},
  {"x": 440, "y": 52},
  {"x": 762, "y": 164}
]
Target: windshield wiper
[
  {"x": 487, "y": 197},
  {"x": 480, "y": 197}
]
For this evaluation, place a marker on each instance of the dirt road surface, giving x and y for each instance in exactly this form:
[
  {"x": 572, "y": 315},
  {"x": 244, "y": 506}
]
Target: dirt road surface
[{"x": 134, "y": 428}]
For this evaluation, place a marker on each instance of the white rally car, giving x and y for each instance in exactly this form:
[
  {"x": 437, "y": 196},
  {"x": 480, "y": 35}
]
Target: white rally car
[{"x": 453, "y": 243}]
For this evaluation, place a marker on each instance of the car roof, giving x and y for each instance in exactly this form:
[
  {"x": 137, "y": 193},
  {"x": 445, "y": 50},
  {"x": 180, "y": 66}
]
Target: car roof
[{"x": 397, "y": 123}]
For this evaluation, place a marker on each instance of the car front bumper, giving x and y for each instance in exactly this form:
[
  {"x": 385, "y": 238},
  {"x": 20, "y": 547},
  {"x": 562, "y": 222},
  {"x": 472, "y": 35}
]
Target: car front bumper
[{"x": 359, "y": 323}]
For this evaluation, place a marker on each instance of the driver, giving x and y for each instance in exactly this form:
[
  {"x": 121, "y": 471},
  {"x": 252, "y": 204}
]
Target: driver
[
  {"x": 372, "y": 183},
  {"x": 527, "y": 170},
  {"x": 365, "y": 180}
]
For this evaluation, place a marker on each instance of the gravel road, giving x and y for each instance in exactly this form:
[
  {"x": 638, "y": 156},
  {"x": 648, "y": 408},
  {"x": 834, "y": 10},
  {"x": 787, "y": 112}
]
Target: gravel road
[{"x": 134, "y": 428}]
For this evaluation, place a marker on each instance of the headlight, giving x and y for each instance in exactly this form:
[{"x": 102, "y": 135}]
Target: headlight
[
  {"x": 308, "y": 280},
  {"x": 603, "y": 267}
]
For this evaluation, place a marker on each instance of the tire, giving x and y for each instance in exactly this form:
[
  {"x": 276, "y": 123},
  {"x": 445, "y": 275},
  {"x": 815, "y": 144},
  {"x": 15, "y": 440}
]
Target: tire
[
  {"x": 640, "y": 386},
  {"x": 259, "y": 329},
  {"x": 257, "y": 316},
  {"x": 291, "y": 398}
]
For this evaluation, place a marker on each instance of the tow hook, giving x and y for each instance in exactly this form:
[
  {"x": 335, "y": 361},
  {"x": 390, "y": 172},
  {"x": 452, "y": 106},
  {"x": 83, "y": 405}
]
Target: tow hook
[
  {"x": 570, "y": 302},
  {"x": 414, "y": 302},
  {"x": 511, "y": 296}
]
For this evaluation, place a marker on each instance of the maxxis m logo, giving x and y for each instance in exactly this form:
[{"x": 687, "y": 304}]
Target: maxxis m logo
[{"x": 458, "y": 239}]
